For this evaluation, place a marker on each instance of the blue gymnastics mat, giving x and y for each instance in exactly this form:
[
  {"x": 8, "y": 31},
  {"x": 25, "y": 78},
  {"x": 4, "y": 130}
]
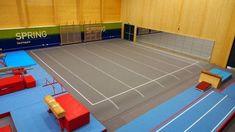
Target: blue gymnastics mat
[
  {"x": 230, "y": 90},
  {"x": 37, "y": 119},
  {"x": 27, "y": 107},
  {"x": 225, "y": 75},
  {"x": 19, "y": 59},
  {"x": 147, "y": 121}
]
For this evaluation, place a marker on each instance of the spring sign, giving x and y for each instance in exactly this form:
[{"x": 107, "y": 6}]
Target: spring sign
[{"x": 25, "y": 37}]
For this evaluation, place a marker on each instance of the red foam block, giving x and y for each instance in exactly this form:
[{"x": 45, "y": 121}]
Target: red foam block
[
  {"x": 203, "y": 86},
  {"x": 19, "y": 71},
  {"x": 11, "y": 84},
  {"x": 76, "y": 114},
  {"x": 6, "y": 128},
  {"x": 29, "y": 81}
]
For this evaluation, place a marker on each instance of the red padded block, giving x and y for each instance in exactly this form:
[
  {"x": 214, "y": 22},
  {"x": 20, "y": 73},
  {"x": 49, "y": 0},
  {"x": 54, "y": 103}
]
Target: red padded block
[
  {"x": 11, "y": 84},
  {"x": 6, "y": 128},
  {"x": 203, "y": 86},
  {"x": 76, "y": 114},
  {"x": 29, "y": 81},
  {"x": 19, "y": 71}
]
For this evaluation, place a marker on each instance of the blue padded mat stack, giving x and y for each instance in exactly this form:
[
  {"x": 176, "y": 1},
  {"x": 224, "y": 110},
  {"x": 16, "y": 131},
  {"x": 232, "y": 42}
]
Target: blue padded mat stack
[
  {"x": 19, "y": 59},
  {"x": 225, "y": 75}
]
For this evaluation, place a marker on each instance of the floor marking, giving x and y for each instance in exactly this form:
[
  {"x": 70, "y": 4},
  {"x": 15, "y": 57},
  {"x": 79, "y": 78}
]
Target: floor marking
[
  {"x": 139, "y": 62},
  {"x": 223, "y": 119},
  {"x": 61, "y": 78},
  {"x": 180, "y": 111},
  {"x": 140, "y": 85},
  {"x": 122, "y": 66},
  {"x": 184, "y": 112},
  {"x": 165, "y": 53},
  {"x": 75, "y": 75},
  {"x": 157, "y": 60},
  {"x": 205, "y": 114},
  {"x": 98, "y": 69}
]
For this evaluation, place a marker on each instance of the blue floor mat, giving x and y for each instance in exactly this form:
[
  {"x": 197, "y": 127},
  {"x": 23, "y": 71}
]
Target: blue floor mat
[
  {"x": 157, "y": 115},
  {"x": 212, "y": 109},
  {"x": 27, "y": 107},
  {"x": 19, "y": 59},
  {"x": 225, "y": 75},
  {"x": 37, "y": 119},
  {"x": 230, "y": 91}
]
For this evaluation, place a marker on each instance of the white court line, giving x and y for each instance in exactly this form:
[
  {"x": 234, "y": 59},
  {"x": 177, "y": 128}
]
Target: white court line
[
  {"x": 98, "y": 69},
  {"x": 75, "y": 75},
  {"x": 62, "y": 78},
  {"x": 142, "y": 84},
  {"x": 205, "y": 114},
  {"x": 169, "y": 54},
  {"x": 138, "y": 62},
  {"x": 141, "y": 54},
  {"x": 109, "y": 97},
  {"x": 122, "y": 66},
  {"x": 223, "y": 119},
  {"x": 165, "y": 53},
  {"x": 184, "y": 111}
]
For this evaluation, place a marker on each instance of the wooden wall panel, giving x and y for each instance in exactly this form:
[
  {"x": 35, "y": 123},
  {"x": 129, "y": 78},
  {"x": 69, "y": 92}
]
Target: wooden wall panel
[
  {"x": 225, "y": 31},
  {"x": 24, "y": 13},
  {"x": 209, "y": 19},
  {"x": 192, "y": 16},
  {"x": 91, "y": 11},
  {"x": 9, "y": 16},
  {"x": 66, "y": 12},
  {"x": 40, "y": 12},
  {"x": 171, "y": 13},
  {"x": 111, "y": 10}
]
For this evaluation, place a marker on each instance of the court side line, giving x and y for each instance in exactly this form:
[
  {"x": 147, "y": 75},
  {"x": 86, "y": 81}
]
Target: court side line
[
  {"x": 75, "y": 75},
  {"x": 138, "y": 62},
  {"x": 223, "y": 119},
  {"x": 62, "y": 78},
  {"x": 168, "y": 54},
  {"x": 184, "y": 111},
  {"x": 164, "y": 53},
  {"x": 141, "y": 54},
  {"x": 139, "y": 86},
  {"x": 123, "y": 67},
  {"x": 98, "y": 69},
  {"x": 205, "y": 114}
]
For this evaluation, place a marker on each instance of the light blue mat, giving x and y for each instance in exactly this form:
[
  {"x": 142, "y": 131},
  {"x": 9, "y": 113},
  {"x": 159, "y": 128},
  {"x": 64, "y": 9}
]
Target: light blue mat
[
  {"x": 19, "y": 59},
  {"x": 27, "y": 107},
  {"x": 225, "y": 75}
]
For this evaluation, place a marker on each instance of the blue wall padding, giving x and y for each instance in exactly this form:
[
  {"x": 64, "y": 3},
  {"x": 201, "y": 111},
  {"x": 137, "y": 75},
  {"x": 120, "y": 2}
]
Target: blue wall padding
[
  {"x": 109, "y": 34},
  {"x": 11, "y": 45}
]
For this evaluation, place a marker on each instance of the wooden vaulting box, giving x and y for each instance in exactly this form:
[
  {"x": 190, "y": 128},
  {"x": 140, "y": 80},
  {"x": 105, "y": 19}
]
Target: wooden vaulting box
[{"x": 213, "y": 79}]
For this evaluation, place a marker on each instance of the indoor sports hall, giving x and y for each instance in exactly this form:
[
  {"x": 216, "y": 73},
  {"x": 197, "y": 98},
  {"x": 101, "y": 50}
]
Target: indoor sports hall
[{"x": 117, "y": 65}]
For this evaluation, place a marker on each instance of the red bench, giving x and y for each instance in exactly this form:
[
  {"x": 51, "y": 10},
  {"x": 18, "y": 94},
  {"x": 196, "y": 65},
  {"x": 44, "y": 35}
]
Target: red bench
[{"x": 16, "y": 83}]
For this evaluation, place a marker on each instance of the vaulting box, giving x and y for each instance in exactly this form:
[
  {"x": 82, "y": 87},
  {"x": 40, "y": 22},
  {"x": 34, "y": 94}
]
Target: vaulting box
[
  {"x": 6, "y": 128},
  {"x": 29, "y": 81},
  {"x": 76, "y": 114},
  {"x": 54, "y": 106},
  {"x": 213, "y": 79}
]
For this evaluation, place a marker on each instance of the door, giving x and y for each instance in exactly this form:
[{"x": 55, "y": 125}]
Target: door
[
  {"x": 129, "y": 32},
  {"x": 231, "y": 60}
]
